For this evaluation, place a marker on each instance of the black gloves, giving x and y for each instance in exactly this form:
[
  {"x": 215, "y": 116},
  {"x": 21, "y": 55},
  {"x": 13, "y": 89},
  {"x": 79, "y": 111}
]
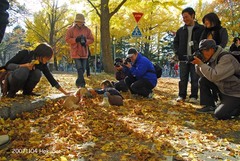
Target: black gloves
[{"x": 82, "y": 40}]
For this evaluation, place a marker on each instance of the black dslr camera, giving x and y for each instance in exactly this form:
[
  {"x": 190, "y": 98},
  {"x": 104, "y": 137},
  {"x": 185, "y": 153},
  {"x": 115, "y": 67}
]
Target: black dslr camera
[
  {"x": 83, "y": 40},
  {"x": 128, "y": 60},
  {"x": 118, "y": 62},
  {"x": 198, "y": 54}
]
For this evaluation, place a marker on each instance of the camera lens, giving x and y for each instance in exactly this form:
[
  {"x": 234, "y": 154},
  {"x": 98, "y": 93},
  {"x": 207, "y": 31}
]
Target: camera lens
[{"x": 117, "y": 64}]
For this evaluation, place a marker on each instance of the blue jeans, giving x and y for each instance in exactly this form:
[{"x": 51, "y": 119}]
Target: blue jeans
[
  {"x": 185, "y": 70},
  {"x": 80, "y": 66}
]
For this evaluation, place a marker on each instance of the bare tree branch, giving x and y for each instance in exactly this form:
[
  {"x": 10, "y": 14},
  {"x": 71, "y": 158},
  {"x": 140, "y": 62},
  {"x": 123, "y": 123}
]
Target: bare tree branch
[
  {"x": 117, "y": 8},
  {"x": 99, "y": 14}
]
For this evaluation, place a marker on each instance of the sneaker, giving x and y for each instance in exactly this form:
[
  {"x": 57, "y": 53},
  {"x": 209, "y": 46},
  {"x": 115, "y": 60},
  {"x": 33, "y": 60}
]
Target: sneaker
[
  {"x": 105, "y": 102},
  {"x": 150, "y": 95},
  {"x": 206, "y": 109},
  {"x": 4, "y": 140},
  {"x": 193, "y": 100},
  {"x": 217, "y": 103},
  {"x": 180, "y": 99}
]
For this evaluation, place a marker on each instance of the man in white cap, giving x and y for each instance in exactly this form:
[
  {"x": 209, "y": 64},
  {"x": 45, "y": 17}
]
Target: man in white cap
[
  {"x": 79, "y": 37},
  {"x": 222, "y": 70},
  {"x": 142, "y": 77}
]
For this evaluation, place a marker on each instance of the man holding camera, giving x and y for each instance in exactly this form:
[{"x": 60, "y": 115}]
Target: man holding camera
[
  {"x": 142, "y": 78},
  {"x": 223, "y": 72},
  {"x": 120, "y": 74},
  {"x": 185, "y": 44},
  {"x": 79, "y": 37}
]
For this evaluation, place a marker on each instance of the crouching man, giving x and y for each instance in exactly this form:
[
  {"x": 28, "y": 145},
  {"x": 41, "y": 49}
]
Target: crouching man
[
  {"x": 221, "y": 69},
  {"x": 142, "y": 78}
]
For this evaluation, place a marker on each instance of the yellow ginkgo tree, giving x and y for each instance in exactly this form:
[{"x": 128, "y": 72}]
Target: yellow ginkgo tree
[{"x": 49, "y": 25}]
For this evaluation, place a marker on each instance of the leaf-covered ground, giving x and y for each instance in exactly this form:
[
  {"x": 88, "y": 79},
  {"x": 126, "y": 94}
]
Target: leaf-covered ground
[{"x": 141, "y": 130}]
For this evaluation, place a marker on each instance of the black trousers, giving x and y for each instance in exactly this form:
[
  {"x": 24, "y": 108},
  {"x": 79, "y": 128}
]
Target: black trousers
[
  {"x": 209, "y": 92},
  {"x": 141, "y": 87},
  {"x": 121, "y": 86},
  {"x": 230, "y": 106},
  {"x": 187, "y": 69}
]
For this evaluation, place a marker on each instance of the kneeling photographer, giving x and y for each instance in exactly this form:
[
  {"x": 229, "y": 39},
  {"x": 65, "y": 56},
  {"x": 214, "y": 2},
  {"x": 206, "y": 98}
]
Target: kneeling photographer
[
  {"x": 140, "y": 81},
  {"x": 220, "y": 71},
  {"x": 120, "y": 74}
]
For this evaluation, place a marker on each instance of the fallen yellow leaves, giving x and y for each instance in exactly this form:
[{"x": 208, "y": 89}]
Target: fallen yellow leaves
[{"x": 140, "y": 130}]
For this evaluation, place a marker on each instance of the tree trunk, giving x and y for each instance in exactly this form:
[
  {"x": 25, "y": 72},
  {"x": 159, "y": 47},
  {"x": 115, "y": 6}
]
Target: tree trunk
[
  {"x": 105, "y": 45},
  {"x": 105, "y": 17},
  {"x": 105, "y": 40}
]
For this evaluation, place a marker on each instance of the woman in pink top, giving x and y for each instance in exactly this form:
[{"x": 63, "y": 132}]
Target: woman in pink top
[{"x": 79, "y": 37}]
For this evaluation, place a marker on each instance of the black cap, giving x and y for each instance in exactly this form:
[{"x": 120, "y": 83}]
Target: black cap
[
  {"x": 131, "y": 51},
  {"x": 207, "y": 44}
]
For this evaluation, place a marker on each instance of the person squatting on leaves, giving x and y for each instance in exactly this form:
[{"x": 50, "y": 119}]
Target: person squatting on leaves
[
  {"x": 26, "y": 69},
  {"x": 79, "y": 37},
  {"x": 185, "y": 44},
  {"x": 111, "y": 96},
  {"x": 120, "y": 75},
  {"x": 4, "y": 5},
  {"x": 141, "y": 79},
  {"x": 223, "y": 72}
]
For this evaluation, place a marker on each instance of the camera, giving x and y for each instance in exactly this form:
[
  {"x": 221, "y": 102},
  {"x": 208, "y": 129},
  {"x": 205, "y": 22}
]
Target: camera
[
  {"x": 128, "y": 60},
  {"x": 83, "y": 40},
  {"x": 198, "y": 54},
  {"x": 117, "y": 64}
]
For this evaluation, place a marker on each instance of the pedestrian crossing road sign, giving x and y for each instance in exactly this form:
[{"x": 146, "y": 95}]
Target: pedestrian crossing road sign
[{"x": 136, "y": 32}]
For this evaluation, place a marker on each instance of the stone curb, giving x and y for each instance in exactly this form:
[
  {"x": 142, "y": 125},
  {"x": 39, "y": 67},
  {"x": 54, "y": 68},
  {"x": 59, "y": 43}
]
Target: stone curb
[{"x": 26, "y": 105}]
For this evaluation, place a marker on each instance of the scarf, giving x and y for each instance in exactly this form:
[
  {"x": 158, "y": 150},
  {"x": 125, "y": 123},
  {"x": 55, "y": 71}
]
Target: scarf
[{"x": 214, "y": 31}]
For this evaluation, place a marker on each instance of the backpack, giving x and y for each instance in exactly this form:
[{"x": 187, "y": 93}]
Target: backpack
[
  {"x": 158, "y": 70},
  {"x": 235, "y": 54}
]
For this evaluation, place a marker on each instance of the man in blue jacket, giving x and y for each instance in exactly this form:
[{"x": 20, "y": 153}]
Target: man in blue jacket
[{"x": 142, "y": 77}]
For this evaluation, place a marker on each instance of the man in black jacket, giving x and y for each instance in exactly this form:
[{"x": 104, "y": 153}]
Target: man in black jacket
[
  {"x": 4, "y": 5},
  {"x": 185, "y": 44}
]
